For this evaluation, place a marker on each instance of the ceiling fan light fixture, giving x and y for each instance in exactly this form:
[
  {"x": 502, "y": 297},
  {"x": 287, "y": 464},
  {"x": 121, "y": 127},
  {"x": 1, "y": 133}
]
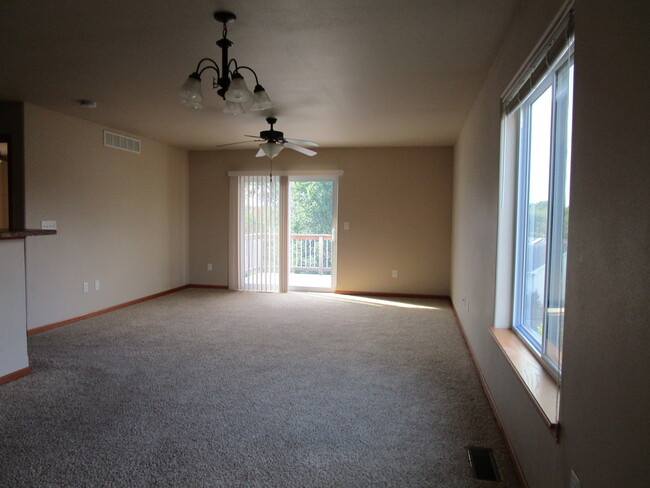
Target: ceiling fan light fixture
[
  {"x": 238, "y": 91},
  {"x": 191, "y": 89},
  {"x": 271, "y": 149},
  {"x": 261, "y": 100},
  {"x": 233, "y": 108}
]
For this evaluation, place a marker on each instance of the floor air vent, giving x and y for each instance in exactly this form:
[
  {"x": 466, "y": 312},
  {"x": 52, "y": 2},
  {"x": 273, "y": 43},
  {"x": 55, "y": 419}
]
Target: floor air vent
[
  {"x": 118, "y": 141},
  {"x": 483, "y": 464}
]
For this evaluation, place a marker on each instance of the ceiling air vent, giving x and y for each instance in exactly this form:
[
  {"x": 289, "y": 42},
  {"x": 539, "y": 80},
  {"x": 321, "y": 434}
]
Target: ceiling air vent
[{"x": 118, "y": 141}]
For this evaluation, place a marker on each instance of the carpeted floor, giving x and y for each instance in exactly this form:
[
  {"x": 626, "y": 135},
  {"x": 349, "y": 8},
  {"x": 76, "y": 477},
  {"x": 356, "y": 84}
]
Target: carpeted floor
[{"x": 206, "y": 388}]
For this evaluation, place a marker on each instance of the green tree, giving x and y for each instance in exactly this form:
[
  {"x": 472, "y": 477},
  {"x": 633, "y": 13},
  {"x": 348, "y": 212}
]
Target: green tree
[
  {"x": 538, "y": 215},
  {"x": 311, "y": 207}
]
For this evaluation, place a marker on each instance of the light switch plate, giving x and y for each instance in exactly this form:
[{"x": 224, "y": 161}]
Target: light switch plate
[{"x": 48, "y": 224}]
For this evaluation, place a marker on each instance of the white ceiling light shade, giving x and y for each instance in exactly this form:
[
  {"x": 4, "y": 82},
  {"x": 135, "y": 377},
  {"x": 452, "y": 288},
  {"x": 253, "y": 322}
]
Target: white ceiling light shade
[
  {"x": 271, "y": 149},
  {"x": 238, "y": 91},
  {"x": 229, "y": 81},
  {"x": 191, "y": 89},
  {"x": 261, "y": 100},
  {"x": 233, "y": 108}
]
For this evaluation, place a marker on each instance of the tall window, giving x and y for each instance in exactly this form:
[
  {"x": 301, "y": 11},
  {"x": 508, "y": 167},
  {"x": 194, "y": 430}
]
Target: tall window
[{"x": 544, "y": 120}]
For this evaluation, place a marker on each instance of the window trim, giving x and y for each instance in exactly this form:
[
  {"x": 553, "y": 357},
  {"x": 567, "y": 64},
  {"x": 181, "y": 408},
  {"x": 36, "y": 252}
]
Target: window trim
[{"x": 549, "y": 80}]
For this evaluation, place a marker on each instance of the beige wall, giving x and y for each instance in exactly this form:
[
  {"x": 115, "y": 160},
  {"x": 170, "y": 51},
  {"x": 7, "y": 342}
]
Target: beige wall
[
  {"x": 397, "y": 201},
  {"x": 122, "y": 218},
  {"x": 605, "y": 393}
]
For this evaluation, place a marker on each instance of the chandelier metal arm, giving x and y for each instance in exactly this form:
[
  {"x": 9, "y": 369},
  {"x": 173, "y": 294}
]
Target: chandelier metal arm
[
  {"x": 212, "y": 65},
  {"x": 249, "y": 69}
]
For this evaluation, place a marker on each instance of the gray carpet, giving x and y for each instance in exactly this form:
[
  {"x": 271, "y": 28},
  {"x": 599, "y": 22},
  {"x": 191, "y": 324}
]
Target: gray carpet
[{"x": 206, "y": 388}]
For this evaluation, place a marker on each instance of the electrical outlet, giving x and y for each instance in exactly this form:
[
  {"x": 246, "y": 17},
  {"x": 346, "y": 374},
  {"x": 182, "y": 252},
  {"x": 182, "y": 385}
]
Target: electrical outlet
[
  {"x": 96, "y": 285},
  {"x": 209, "y": 266},
  {"x": 394, "y": 273},
  {"x": 575, "y": 481},
  {"x": 465, "y": 303},
  {"x": 85, "y": 287},
  {"x": 346, "y": 225},
  {"x": 48, "y": 224}
]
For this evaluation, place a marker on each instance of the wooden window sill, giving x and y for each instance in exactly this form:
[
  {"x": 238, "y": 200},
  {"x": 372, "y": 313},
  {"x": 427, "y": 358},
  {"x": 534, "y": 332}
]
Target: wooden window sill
[{"x": 539, "y": 384}]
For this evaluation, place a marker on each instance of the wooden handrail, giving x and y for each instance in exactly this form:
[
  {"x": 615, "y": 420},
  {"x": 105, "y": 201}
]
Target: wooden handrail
[{"x": 311, "y": 237}]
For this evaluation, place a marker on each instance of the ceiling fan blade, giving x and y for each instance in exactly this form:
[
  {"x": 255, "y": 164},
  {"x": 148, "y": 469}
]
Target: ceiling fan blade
[
  {"x": 233, "y": 143},
  {"x": 247, "y": 135},
  {"x": 300, "y": 149},
  {"x": 260, "y": 154},
  {"x": 302, "y": 143}
]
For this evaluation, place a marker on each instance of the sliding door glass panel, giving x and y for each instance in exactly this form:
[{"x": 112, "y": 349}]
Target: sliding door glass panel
[
  {"x": 259, "y": 264},
  {"x": 311, "y": 236}
]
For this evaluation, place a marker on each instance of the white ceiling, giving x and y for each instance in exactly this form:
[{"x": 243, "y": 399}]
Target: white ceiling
[{"x": 341, "y": 72}]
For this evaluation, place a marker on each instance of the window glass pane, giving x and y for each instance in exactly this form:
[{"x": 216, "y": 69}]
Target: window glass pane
[
  {"x": 560, "y": 220},
  {"x": 533, "y": 293}
]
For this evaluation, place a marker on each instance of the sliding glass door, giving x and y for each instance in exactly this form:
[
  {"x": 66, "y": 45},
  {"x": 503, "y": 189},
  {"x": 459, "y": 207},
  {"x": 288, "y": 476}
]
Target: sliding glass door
[{"x": 283, "y": 232}]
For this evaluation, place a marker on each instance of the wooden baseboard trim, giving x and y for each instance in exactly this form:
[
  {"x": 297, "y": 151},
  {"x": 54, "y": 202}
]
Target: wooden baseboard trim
[
  {"x": 15, "y": 375},
  {"x": 488, "y": 394},
  {"x": 211, "y": 287},
  {"x": 43, "y": 328},
  {"x": 396, "y": 295}
]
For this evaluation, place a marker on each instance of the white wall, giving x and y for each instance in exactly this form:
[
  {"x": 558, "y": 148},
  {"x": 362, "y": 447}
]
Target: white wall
[
  {"x": 122, "y": 218},
  {"x": 13, "y": 335},
  {"x": 605, "y": 395}
]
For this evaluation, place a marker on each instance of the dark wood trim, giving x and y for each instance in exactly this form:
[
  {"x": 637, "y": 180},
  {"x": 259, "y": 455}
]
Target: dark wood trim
[
  {"x": 212, "y": 287},
  {"x": 382, "y": 294},
  {"x": 493, "y": 406},
  {"x": 6, "y": 234},
  {"x": 38, "y": 330},
  {"x": 15, "y": 375}
]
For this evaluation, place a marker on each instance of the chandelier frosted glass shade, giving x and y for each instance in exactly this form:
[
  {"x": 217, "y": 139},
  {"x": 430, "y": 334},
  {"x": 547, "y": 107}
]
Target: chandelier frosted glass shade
[
  {"x": 261, "y": 100},
  {"x": 271, "y": 149},
  {"x": 238, "y": 91},
  {"x": 191, "y": 90},
  {"x": 233, "y": 108},
  {"x": 193, "y": 104}
]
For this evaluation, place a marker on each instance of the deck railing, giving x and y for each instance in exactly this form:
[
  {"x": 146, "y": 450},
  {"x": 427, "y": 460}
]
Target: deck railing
[{"x": 310, "y": 253}]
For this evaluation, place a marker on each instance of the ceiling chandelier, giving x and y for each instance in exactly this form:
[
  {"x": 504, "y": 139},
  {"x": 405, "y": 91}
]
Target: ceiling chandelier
[{"x": 229, "y": 82}]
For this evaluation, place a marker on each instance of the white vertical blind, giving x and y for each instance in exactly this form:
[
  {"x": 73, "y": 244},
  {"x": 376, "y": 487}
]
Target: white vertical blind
[{"x": 259, "y": 224}]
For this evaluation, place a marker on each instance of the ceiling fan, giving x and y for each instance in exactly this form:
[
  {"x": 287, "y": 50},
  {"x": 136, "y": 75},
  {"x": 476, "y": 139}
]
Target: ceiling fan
[{"x": 274, "y": 142}]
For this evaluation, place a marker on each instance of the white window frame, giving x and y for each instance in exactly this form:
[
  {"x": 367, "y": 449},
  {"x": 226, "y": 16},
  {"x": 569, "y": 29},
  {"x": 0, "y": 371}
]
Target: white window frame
[{"x": 555, "y": 218}]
